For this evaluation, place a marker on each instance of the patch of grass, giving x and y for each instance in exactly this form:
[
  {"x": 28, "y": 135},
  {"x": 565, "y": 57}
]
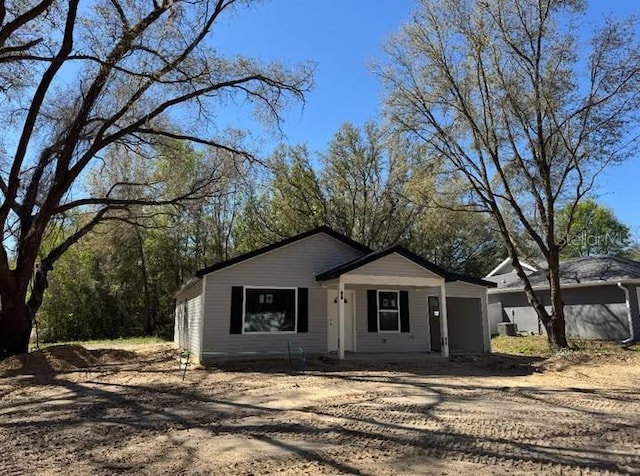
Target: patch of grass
[
  {"x": 520, "y": 345},
  {"x": 105, "y": 342},
  {"x": 601, "y": 346},
  {"x": 538, "y": 346}
]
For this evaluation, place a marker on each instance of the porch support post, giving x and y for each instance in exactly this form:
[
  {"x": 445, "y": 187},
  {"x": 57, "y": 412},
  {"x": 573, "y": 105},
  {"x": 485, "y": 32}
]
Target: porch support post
[
  {"x": 444, "y": 327},
  {"x": 341, "y": 297}
]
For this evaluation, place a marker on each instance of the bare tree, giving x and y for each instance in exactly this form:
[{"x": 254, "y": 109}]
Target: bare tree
[
  {"x": 506, "y": 93},
  {"x": 78, "y": 85}
]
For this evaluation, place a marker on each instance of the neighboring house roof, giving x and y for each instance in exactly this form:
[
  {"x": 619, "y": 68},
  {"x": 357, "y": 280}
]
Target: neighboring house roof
[
  {"x": 505, "y": 267},
  {"x": 502, "y": 280},
  {"x": 590, "y": 269},
  {"x": 322, "y": 229},
  {"x": 402, "y": 251}
]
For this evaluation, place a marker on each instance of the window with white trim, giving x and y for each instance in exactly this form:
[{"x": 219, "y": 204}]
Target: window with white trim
[
  {"x": 269, "y": 310},
  {"x": 388, "y": 311}
]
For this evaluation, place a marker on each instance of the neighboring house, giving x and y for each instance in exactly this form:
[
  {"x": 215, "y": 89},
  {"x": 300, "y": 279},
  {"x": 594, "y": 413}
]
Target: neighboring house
[
  {"x": 323, "y": 292},
  {"x": 601, "y": 296}
]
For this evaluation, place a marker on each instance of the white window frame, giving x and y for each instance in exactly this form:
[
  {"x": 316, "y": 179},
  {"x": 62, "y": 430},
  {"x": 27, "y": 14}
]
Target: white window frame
[
  {"x": 244, "y": 310},
  {"x": 378, "y": 291}
]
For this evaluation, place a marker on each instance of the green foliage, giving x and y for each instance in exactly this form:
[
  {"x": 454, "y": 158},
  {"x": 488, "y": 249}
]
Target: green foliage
[
  {"x": 110, "y": 343},
  {"x": 373, "y": 186},
  {"x": 369, "y": 185},
  {"x": 592, "y": 229},
  {"x": 115, "y": 283}
]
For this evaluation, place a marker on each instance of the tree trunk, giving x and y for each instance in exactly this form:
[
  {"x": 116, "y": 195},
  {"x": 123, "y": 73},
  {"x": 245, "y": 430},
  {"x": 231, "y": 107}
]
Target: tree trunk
[
  {"x": 15, "y": 325},
  {"x": 555, "y": 326}
]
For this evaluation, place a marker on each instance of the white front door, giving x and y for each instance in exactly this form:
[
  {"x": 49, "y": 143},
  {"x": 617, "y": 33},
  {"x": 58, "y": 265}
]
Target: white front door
[{"x": 349, "y": 320}]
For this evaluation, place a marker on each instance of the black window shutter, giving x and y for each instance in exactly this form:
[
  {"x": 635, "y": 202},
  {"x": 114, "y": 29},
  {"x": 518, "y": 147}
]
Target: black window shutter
[
  {"x": 303, "y": 310},
  {"x": 237, "y": 296},
  {"x": 372, "y": 310},
  {"x": 404, "y": 311}
]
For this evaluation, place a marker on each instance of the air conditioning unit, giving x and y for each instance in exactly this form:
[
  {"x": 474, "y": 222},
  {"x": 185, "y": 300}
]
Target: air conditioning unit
[{"x": 507, "y": 329}]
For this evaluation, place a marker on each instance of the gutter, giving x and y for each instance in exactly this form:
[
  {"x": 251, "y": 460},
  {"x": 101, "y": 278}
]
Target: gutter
[{"x": 627, "y": 298}]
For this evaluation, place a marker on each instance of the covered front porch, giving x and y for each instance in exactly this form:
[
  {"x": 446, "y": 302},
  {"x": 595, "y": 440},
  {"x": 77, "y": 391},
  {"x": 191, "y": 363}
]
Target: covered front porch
[{"x": 386, "y": 303}]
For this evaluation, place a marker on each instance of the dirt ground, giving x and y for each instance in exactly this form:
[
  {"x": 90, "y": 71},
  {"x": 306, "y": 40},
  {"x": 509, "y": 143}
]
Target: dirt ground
[{"x": 75, "y": 411}]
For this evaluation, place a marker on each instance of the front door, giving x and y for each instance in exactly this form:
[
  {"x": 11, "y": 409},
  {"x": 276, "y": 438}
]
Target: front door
[
  {"x": 332, "y": 320},
  {"x": 434, "y": 324}
]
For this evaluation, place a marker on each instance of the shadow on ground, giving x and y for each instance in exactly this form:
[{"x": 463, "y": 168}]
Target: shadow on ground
[
  {"x": 491, "y": 364},
  {"x": 337, "y": 417}
]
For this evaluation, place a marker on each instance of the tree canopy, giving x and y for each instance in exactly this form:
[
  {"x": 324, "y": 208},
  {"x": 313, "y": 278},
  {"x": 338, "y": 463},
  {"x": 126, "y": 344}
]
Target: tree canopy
[
  {"x": 510, "y": 98},
  {"x": 594, "y": 230},
  {"x": 93, "y": 90}
]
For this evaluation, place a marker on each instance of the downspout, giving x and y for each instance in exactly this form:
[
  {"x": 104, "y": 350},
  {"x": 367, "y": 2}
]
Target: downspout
[{"x": 627, "y": 298}]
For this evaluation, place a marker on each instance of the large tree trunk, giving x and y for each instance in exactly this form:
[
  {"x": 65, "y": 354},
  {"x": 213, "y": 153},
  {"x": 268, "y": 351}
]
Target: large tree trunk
[
  {"x": 555, "y": 326},
  {"x": 553, "y": 323},
  {"x": 15, "y": 325},
  {"x": 17, "y": 313}
]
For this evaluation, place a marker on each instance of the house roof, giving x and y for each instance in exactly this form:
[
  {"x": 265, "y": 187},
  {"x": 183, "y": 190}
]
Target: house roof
[
  {"x": 322, "y": 229},
  {"x": 402, "y": 251},
  {"x": 590, "y": 269}
]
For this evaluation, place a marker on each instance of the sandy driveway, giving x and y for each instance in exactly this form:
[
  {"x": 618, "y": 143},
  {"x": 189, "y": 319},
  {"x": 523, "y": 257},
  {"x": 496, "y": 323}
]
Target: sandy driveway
[{"x": 121, "y": 412}]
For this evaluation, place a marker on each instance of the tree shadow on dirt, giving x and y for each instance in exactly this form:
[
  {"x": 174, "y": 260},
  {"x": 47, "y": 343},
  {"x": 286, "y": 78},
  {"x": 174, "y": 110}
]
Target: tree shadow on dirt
[
  {"x": 101, "y": 421},
  {"x": 485, "y": 365}
]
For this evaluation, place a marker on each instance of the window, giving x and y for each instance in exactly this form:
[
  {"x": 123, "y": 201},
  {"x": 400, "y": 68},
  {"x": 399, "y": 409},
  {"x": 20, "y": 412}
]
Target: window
[
  {"x": 269, "y": 310},
  {"x": 389, "y": 311}
]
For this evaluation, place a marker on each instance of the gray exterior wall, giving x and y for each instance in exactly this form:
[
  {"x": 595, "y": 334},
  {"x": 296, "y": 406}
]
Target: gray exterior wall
[
  {"x": 294, "y": 265},
  {"x": 188, "y": 319},
  {"x": 417, "y": 340},
  {"x": 464, "y": 318},
  {"x": 594, "y": 312}
]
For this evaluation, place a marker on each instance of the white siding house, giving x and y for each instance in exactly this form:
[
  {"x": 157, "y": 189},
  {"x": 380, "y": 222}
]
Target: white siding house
[{"x": 322, "y": 292}]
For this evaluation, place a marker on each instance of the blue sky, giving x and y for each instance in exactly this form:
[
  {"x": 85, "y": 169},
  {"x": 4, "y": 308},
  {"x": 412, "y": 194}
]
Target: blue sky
[{"x": 344, "y": 37}]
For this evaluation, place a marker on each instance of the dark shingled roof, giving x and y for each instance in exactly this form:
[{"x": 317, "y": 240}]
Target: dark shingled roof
[
  {"x": 410, "y": 255},
  {"x": 590, "y": 269}
]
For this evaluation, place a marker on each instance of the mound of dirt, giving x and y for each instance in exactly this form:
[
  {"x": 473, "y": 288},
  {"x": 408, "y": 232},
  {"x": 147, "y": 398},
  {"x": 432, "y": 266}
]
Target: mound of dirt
[
  {"x": 59, "y": 358},
  {"x": 114, "y": 356}
]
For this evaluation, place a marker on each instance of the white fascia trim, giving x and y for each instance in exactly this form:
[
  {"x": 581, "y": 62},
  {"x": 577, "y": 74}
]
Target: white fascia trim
[{"x": 495, "y": 270}]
